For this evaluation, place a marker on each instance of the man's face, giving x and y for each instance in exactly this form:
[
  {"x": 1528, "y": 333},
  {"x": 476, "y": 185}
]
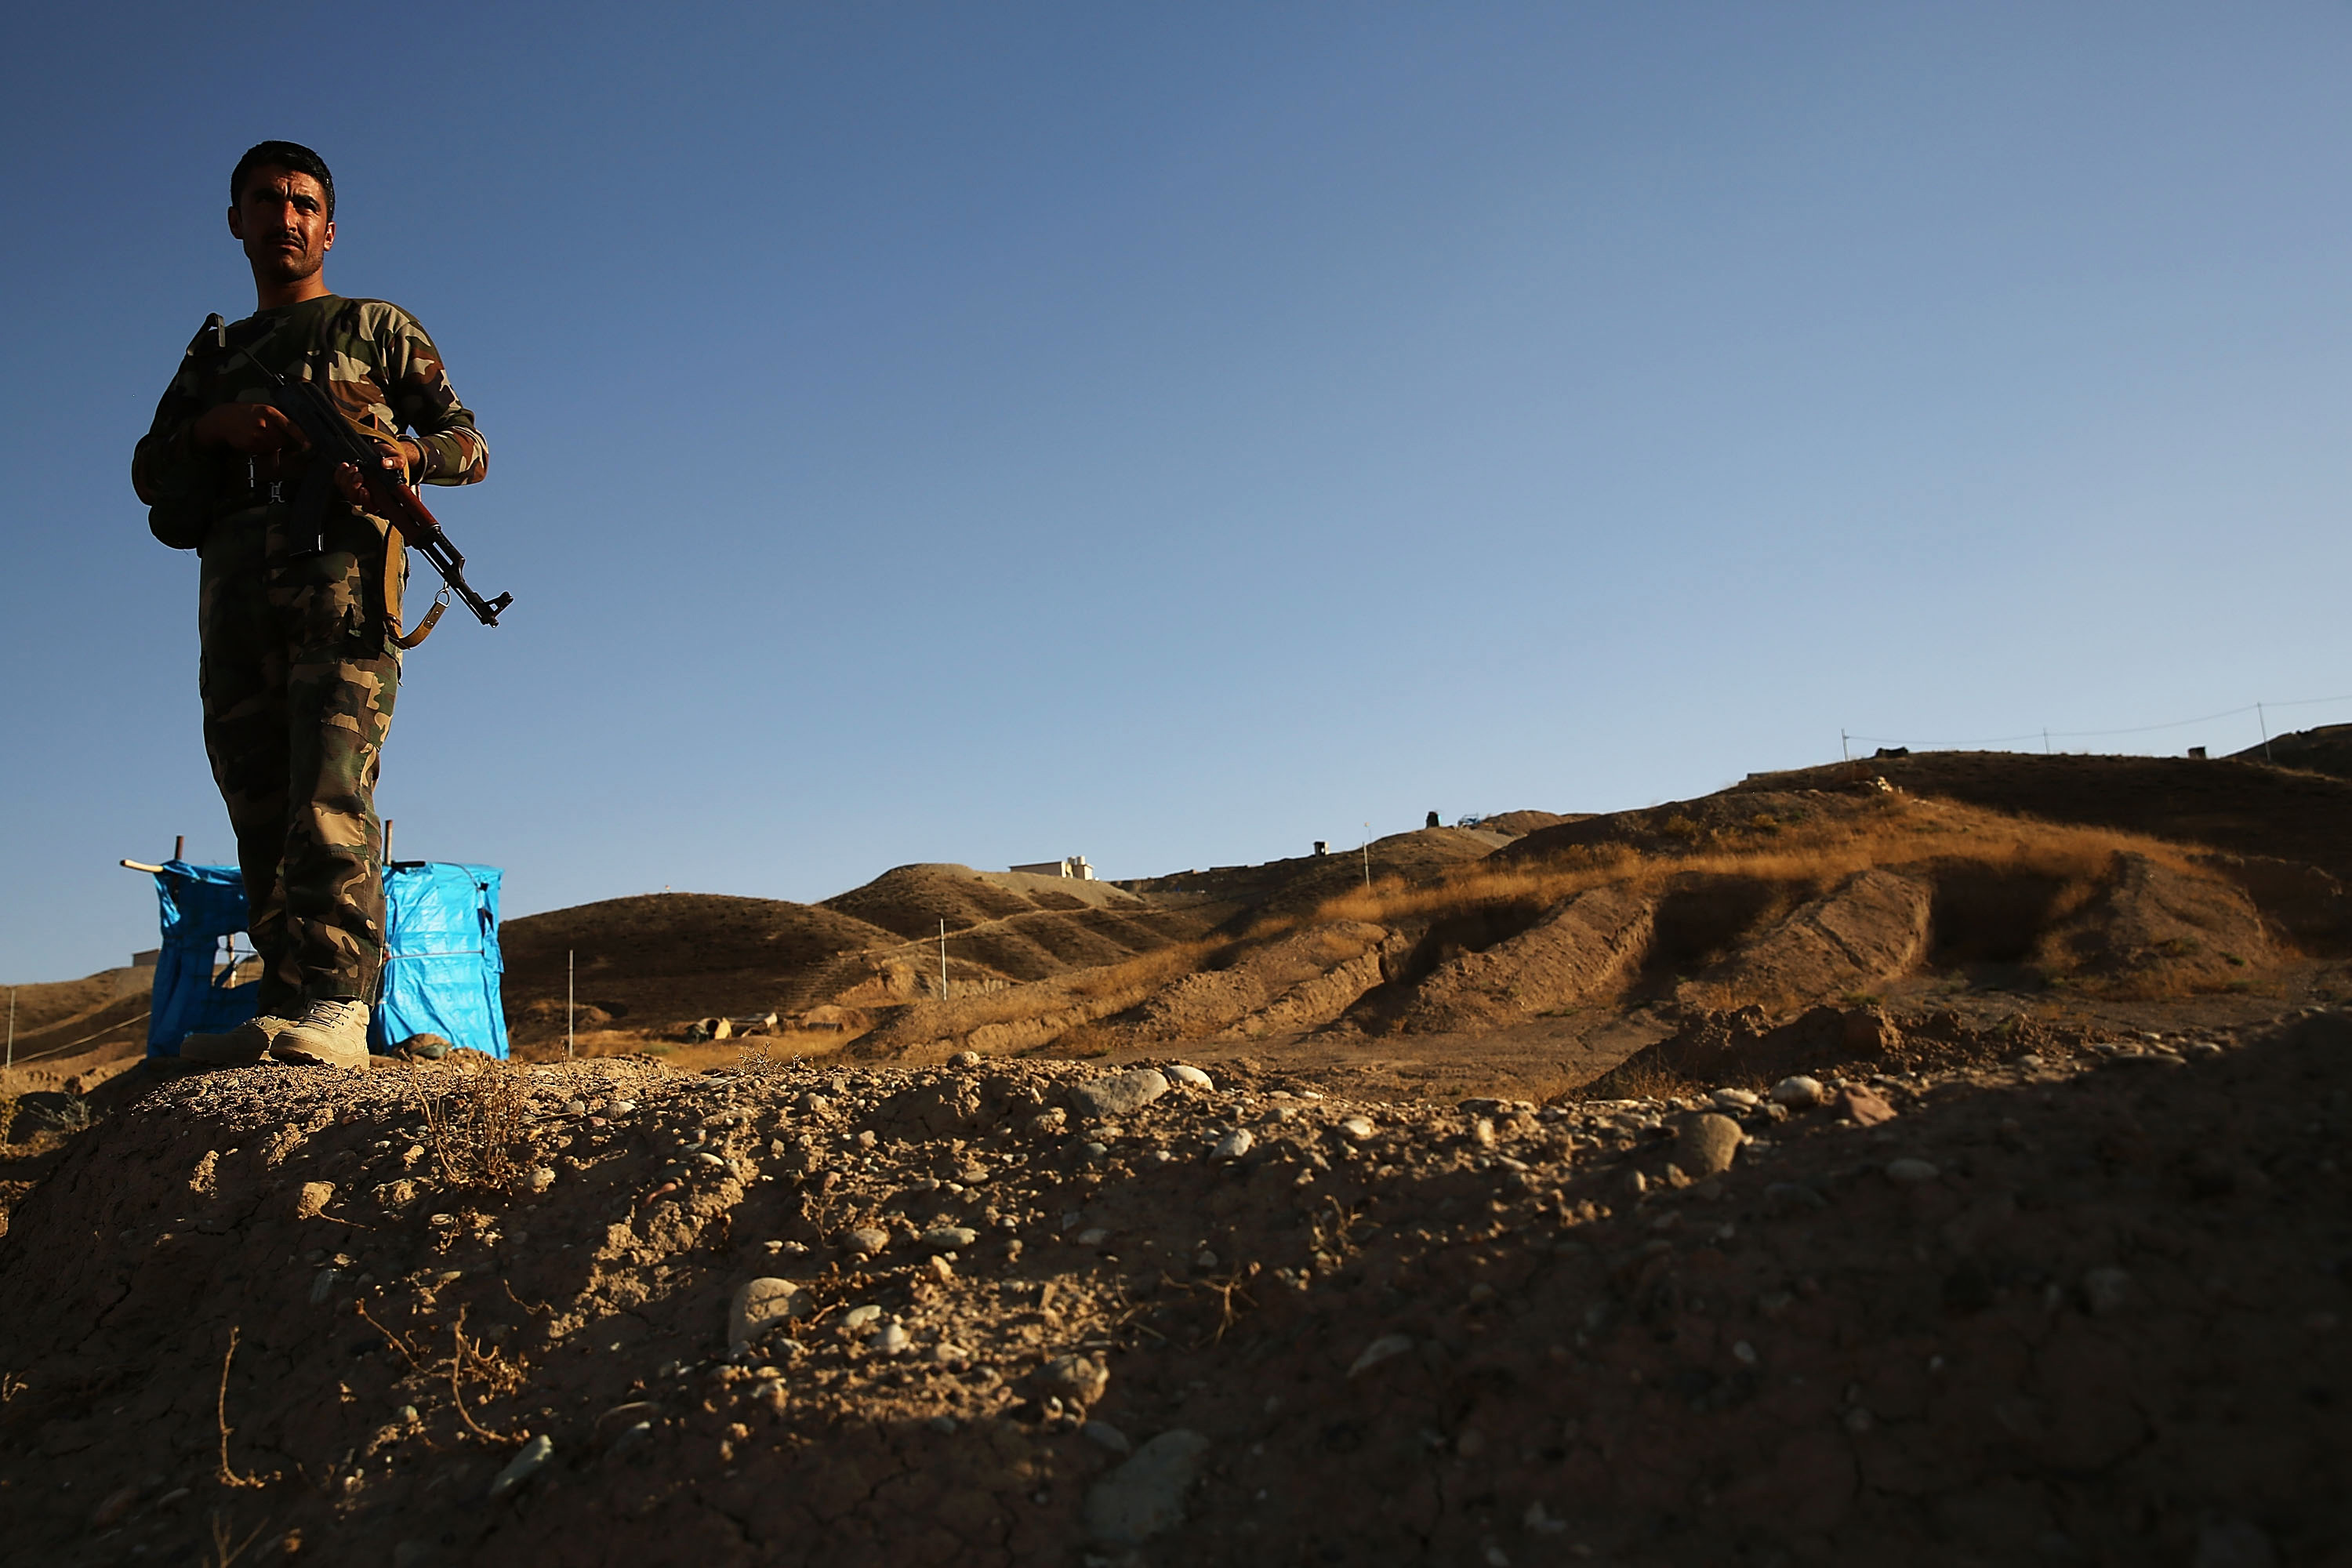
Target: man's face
[{"x": 281, "y": 216}]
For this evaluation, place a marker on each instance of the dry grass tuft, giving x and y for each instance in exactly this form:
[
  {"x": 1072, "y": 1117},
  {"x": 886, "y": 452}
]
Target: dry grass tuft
[{"x": 474, "y": 1117}]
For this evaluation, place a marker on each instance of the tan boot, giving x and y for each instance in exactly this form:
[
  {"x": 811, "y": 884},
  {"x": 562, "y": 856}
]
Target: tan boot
[
  {"x": 238, "y": 1047},
  {"x": 328, "y": 1035}
]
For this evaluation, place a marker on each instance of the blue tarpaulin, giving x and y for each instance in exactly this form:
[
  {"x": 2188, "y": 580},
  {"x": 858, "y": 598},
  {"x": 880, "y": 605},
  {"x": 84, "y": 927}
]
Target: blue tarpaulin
[{"x": 441, "y": 961}]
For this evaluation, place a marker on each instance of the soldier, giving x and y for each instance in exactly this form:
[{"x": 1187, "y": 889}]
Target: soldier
[{"x": 298, "y": 612}]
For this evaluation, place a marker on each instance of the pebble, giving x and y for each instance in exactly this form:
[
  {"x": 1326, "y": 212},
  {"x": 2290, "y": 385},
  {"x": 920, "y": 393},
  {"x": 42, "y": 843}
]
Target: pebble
[
  {"x": 758, "y": 1306},
  {"x": 1734, "y": 1099},
  {"x": 1482, "y": 1133},
  {"x": 892, "y": 1340},
  {"x": 1145, "y": 1495},
  {"x": 1103, "y": 1435},
  {"x": 1122, "y": 1093},
  {"x": 1863, "y": 1107},
  {"x": 323, "y": 1285},
  {"x": 1081, "y": 1379},
  {"x": 1386, "y": 1348},
  {"x": 1800, "y": 1093},
  {"x": 964, "y": 1060},
  {"x": 1909, "y": 1173},
  {"x": 1233, "y": 1144},
  {"x": 524, "y": 1466},
  {"x": 2107, "y": 1292},
  {"x": 620, "y": 1107},
  {"x": 312, "y": 1197},
  {"x": 1190, "y": 1076},
  {"x": 949, "y": 1238},
  {"x": 866, "y": 1241},
  {"x": 115, "y": 1505},
  {"x": 576, "y": 1108},
  {"x": 857, "y": 1317},
  {"x": 1707, "y": 1146},
  {"x": 540, "y": 1178},
  {"x": 1093, "y": 1236},
  {"x": 1356, "y": 1128}
]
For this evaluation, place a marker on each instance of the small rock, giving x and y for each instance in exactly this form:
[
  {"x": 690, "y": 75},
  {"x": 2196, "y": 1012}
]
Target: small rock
[
  {"x": 949, "y": 1238},
  {"x": 1798, "y": 1093},
  {"x": 323, "y": 1286},
  {"x": 540, "y": 1178},
  {"x": 1048, "y": 1124},
  {"x": 1103, "y": 1435},
  {"x": 1482, "y": 1133},
  {"x": 1795, "y": 1194},
  {"x": 576, "y": 1108},
  {"x": 1093, "y": 1236},
  {"x": 117, "y": 1504},
  {"x": 1077, "y": 1378},
  {"x": 1909, "y": 1173},
  {"x": 857, "y": 1317},
  {"x": 524, "y": 1466},
  {"x": 1734, "y": 1100},
  {"x": 892, "y": 1340},
  {"x": 427, "y": 1047},
  {"x": 1190, "y": 1076},
  {"x": 1862, "y": 1106},
  {"x": 1356, "y": 1128},
  {"x": 1233, "y": 1144},
  {"x": 942, "y": 1425},
  {"x": 1204, "y": 1259},
  {"x": 311, "y": 1198},
  {"x": 2107, "y": 1292},
  {"x": 620, "y": 1107},
  {"x": 1122, "y": 1093},
  {"x": 1145, "y": 1495},
  {"x": 964, "y": 1060},
  {"x": 941, "y": 1269},
  {"x": 866, "y": 1241},
  {"x": 1707, "y": 1146},
  {"x": 758, "y": 1306},
  {"x": 1386, "y": 1348}
]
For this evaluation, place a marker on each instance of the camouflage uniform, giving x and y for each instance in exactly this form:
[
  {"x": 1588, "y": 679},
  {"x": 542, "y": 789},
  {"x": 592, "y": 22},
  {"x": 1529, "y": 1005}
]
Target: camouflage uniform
[{"x": 298, "y": 670}]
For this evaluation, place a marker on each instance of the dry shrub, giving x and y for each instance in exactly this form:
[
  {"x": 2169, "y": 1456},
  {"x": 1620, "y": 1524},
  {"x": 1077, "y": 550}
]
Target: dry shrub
[{"x": 475, "y": 1112}]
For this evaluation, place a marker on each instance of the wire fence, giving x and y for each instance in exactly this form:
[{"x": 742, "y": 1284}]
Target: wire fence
[{"x": 2049, "y": 738}]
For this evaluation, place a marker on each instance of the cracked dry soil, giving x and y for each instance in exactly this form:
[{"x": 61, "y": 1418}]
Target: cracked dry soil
[{"x": 2082, "y": 1306}]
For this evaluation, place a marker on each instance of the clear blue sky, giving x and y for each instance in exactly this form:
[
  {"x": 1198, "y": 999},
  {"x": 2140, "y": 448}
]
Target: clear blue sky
[{"x": 1177, "y": 433}]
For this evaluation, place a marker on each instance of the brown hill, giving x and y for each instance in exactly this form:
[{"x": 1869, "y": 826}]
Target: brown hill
[{"x": 659, "y": 959}]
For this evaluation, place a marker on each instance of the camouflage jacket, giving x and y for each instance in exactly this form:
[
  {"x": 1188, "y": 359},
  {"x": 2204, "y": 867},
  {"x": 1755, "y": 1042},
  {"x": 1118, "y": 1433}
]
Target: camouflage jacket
[{"x": 384, "y": 374}]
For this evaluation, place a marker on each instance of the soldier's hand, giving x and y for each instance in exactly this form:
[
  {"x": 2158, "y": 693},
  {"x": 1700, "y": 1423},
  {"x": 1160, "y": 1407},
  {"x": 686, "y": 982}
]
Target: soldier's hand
[
  {"x": 397, "y": 461},
  {"x": 250, "y": 428}
]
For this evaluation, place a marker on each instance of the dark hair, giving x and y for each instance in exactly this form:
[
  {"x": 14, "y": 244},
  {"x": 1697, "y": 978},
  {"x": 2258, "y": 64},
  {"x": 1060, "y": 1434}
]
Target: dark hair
[{"x": 290, "y": 156}]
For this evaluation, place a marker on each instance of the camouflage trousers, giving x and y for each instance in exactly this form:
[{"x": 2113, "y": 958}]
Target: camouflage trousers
[{"x": 298, "y": 678}]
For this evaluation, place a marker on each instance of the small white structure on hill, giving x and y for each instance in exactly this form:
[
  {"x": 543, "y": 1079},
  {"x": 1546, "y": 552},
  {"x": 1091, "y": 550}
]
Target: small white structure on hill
[{"x": 1073, "y": 865}]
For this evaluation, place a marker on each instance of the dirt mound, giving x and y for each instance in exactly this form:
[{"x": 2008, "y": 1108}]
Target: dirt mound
[
  {"x": 2239, "y": 807},
  {"x": 662, "y": 958},
  {"x": 1515, "y": 823},
  {"x": 1589, "y": 945},
  {"x": 1727, "y": 821},
  {"x": 1870, "y": 929},
  {"x": 2327, "y": 750},
  {"x": 2085, "y": 1308},
  {"x": 2161, "y": 929},
  {"x": 1045, "y": 927},
  {"x": 1263, "y": 984},
  {"x": 45, "y": 1005},
  {"x": 1243, "y": 895}
]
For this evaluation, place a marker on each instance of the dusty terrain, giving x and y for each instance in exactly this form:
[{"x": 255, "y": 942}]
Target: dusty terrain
[{"x": 1485, "y": 1237}]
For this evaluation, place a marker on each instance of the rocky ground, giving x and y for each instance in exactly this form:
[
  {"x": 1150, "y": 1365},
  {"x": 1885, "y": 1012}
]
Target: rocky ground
[{"x": 2025, "y": 1295}]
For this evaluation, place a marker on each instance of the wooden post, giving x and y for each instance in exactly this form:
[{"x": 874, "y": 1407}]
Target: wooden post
[
  {"x": 567, "y": 1002},
  {"x": 180, "y": 847},
  {"x": 943, "y": 959},
  {"x": 387, "y": 843}
]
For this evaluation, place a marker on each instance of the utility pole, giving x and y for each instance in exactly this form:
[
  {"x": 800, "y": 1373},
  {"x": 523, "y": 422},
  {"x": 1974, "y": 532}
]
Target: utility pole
[
  {"x": 567, "y": 1002},
  {"x": 1844, "y": 749},
  {"x": 1368, "y": 857},
  {"x": 2263, "y": 720},
  {"x": 943, "y": 958}
]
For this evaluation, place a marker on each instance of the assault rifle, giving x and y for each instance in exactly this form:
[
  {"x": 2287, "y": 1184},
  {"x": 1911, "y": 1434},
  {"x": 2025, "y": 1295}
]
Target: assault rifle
[{"x": 334, "y": 440}]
